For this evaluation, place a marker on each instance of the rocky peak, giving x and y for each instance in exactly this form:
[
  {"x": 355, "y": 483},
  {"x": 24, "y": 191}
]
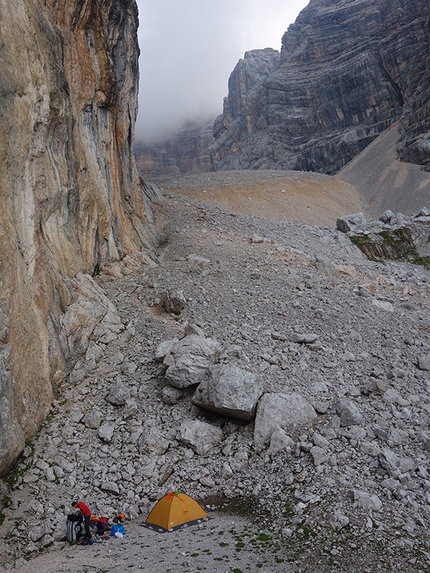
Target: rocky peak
[
  {"x": 249, "y": 72},
  {"x": 240, "y": 106},
  {"x": 186, "y": 151},
  {"x": 347, "y": 71}
]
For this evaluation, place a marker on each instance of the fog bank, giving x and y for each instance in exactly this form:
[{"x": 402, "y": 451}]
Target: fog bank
[{"x": 189, "y": 49}]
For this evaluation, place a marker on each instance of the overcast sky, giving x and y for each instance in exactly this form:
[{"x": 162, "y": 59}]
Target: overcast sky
[{"x": 190, "y": 47}]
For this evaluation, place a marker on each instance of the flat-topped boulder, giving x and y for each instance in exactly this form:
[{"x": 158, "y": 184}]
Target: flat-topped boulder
[{"x": 229, "y": 391}]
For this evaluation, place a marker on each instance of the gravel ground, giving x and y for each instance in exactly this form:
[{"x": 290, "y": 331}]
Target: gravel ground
[
  {"x": 220, "y": 545},
  {"x": 308, "y": 198},
  {"x": 252, "y": 281}
]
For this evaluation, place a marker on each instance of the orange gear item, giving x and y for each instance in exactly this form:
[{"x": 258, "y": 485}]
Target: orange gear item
[{"x": 174, "y": 510}]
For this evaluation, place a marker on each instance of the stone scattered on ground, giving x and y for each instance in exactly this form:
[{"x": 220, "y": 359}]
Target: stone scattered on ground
[{"x": 324, "y": 466}]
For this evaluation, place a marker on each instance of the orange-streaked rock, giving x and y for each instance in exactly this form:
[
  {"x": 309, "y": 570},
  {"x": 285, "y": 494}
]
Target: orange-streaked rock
[{"x": 71, "y": 200}]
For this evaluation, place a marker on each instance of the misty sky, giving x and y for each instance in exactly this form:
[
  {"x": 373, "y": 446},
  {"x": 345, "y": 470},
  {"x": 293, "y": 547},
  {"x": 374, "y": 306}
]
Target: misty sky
[{"x": 190, "y": 47}]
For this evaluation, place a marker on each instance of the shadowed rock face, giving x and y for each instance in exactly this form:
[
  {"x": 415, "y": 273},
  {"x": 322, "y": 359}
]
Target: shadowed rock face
[
  {"x": 347, "y": 71},
  {"x": 70, "y": 195},
  {"x": 415, "y": 123}
]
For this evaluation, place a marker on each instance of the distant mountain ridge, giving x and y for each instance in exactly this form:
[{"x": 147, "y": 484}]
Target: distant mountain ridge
[{"x": 347, "y": 71}]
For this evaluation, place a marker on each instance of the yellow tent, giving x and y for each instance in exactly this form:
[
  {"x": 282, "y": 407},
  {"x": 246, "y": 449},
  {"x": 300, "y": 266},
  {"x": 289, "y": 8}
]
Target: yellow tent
[{"x": 173, "y": 510}]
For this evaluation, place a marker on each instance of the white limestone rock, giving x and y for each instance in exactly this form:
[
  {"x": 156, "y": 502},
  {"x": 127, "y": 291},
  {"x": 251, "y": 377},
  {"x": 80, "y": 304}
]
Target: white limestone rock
[
  {"x": 93, "y": 419},
  {"x": 152, "y": 441},
  {"x": 229, "y": 391},
  {"x": 189, "y": 359},
  {"x": 106, "y": 432},
  {"x": 278, "y": 410},
  {"x": 280, "y": 442},
  {"x": 201, "y": 437}
]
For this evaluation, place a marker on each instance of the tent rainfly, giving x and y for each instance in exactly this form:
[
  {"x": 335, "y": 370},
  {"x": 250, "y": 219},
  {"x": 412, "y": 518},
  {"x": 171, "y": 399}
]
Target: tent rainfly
[{"x": 174, "y": 510}]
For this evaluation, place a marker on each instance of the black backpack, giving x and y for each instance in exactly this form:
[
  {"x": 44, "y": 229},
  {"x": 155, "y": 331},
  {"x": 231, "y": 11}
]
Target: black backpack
[{"x": 73, "y": 527}]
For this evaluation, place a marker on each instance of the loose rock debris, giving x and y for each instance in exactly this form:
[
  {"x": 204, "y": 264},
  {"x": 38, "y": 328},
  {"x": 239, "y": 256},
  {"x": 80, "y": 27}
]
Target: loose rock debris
[{"x": 340, "y": 482}]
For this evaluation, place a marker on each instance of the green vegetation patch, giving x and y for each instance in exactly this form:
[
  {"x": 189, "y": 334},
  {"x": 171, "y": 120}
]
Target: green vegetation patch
[
  {"x": 264, "y": 537},
  {"x": 396, "y": 244},
  {"x": 360, "y": 240}
]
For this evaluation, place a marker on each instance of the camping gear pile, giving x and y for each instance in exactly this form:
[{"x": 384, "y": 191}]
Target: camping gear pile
[
  {"x": 174, "y": 510},
  {"x": 102, "y": 528},
  {"x": 74, "y": 527},
  {"x": 117, "y": 529}
]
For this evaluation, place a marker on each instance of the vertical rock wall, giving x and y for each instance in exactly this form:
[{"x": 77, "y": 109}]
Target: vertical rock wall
[
  {"x": 348, "y": 70},
  {"x": 70, "y": 197}
]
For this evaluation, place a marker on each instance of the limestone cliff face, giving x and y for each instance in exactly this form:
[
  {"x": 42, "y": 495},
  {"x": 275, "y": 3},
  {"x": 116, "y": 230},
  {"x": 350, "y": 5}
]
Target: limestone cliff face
[
  {"x": 71, "y": 200},
  {"x": 414, "y": 145},
  {"x": 184, "y": 153},
  {"x": 348, "y": 70}
]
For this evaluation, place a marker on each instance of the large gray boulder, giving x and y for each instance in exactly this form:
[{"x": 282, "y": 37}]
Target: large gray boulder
[
  {"x": 188, "y": 360},
  {"x": 199, "y": 436},
  {"x": 350, "y": 222},
  {"x": 152, "y": 441},
  {"x": 229, "y": 391},
  {"x": 424, "y": 362},
  {"x": 286, "y": 411},
  {"x": 173, "y": 301},
  {"x": 93, "y": 419},
  {"x": 118, "y": 395},
  {"x": 348, "y": 413}
]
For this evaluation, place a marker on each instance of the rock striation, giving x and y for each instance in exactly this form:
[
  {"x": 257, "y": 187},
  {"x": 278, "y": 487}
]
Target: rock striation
[
  {"x": 184, "y": 153},
  {"x": 71, "y": 199},
  {"x": 346, "y": 72}
]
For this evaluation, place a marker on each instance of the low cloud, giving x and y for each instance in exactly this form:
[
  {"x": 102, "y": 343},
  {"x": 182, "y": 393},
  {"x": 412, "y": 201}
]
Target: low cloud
[{"x": 189, "y": 49}]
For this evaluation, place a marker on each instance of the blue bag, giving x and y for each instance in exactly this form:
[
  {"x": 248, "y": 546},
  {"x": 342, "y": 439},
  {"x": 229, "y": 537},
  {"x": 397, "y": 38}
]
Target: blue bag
[{"x": 117, "y": 528}]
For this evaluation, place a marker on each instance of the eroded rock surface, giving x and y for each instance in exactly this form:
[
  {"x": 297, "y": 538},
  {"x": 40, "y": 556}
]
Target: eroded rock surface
[{"x": 71, "y": 199}]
